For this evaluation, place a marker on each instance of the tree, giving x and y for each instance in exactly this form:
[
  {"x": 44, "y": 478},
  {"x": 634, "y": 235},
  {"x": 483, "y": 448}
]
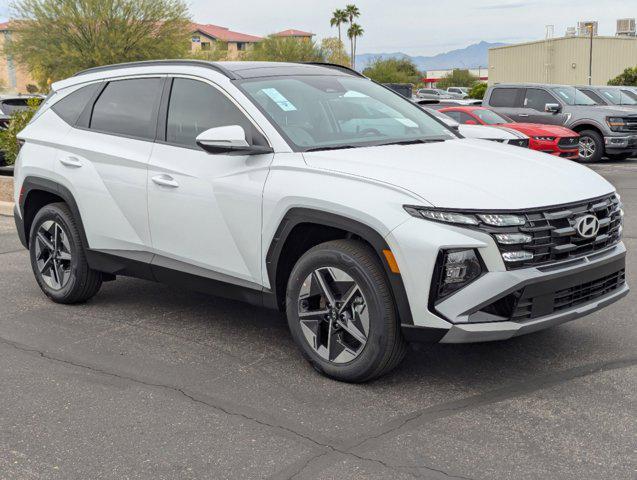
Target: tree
[
  {"x": 393, "y": 70},
  {"x": 478, "y": 91},
  {"x": 353, "y": 32},
  {"x": 333, "y": 51},
  {"x": 286, "y": 49},
  {"x": 339, "y": 17},
  {"x": 627, "y": 78},
  {"x": 457, "y": 78},
  {"x": 56, "y": 38},
  {"x": 32, "y": 88},
  {"x": 352, "y": 12},
  {"x": 18, "y": 120}
]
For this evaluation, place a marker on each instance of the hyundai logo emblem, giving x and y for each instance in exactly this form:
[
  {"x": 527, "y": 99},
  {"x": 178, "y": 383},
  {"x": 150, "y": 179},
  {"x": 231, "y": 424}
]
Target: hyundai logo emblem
[{"x": 587, "y": 226}]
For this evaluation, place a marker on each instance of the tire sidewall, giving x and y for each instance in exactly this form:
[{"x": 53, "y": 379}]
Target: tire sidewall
[
  {"x": 367, "y": 360},
  {"x": 56, "y": 214},
  {"x": 599, "y": 146}
]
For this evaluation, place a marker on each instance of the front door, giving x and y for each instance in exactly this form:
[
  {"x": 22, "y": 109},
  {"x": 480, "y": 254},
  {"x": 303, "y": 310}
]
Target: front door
[{"x": 205, "y": 209}]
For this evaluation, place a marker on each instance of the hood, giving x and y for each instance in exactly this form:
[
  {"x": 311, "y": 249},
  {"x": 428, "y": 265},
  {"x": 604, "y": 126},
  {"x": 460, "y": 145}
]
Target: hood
[
  {"x": 469, "y": 174},
  {"x": 538, "y": 129},
  {"x": 485, "y": 132}
]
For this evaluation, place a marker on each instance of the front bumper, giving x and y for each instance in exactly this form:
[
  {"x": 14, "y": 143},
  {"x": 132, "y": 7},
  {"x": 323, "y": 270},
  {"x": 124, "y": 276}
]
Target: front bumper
[
  {"x": 540, "y": 288},
  {"x": 621, "y": 144}
]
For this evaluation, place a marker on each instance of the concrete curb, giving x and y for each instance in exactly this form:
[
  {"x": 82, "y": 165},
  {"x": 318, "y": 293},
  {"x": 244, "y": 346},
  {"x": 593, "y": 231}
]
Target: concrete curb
[{"x": 6, "y": 209}]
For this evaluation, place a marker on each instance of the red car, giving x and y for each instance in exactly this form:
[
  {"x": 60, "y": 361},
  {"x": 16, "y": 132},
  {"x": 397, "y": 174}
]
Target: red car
[{"x": 553, "y": 139}]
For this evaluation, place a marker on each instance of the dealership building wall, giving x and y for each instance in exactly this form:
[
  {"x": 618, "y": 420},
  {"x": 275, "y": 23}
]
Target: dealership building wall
[{"x": 562, "y": 60}]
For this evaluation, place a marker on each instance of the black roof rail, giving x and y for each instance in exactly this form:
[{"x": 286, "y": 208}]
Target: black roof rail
[
  {"x": 153, "y": 63},
  {"x": 336, "y": 66}
]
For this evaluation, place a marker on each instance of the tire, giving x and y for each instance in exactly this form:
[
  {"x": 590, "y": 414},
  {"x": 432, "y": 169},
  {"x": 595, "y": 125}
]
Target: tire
[
  {"x": 591, "y": 146},
  {"x": 58, "y": 257},
  {"x": 620, "y": 156},
  {"x": 366, "y": 341}
]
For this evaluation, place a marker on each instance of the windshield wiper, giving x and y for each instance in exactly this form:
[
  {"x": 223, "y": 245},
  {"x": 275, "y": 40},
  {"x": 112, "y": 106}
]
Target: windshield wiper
[
  {"x": 413, "y": 142},
  {"x": 336, "y": 147}
]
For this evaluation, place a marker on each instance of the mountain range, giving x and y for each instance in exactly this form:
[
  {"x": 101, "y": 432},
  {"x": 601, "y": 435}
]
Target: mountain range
[{"x": 473, "y": 56}]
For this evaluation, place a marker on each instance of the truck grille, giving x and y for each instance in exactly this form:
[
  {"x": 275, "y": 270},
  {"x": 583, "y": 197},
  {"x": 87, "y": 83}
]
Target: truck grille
[
  {"x": 566, "y": 142},
  {"x": 554, "y": 236}
]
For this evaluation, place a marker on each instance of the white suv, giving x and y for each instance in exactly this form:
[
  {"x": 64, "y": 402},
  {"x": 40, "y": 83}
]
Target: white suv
[{"x": 311, "y": 189}]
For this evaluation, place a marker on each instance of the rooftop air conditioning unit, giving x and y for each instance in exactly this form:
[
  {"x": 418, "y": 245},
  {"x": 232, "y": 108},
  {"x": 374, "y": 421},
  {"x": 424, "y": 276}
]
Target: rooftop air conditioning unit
[
  {"x": 626, "y": 27},
  {"x": 571, "y": 32}
]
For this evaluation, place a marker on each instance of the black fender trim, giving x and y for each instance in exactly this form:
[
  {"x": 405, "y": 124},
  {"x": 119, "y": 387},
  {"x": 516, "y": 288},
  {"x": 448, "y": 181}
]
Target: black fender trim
[
  {"x": 31, "y": 184},
  {"x": 414, "y": 334},
  {"x": 297, "y": 216}
]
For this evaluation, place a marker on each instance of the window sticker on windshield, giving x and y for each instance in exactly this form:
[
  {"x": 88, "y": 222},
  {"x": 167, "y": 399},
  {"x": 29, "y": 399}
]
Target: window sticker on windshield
[
  {"x": 283, "y": 103},
  {"x": 354, "y": 94}
]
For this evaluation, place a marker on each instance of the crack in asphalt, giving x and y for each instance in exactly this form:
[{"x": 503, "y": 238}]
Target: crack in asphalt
[{"x": 356, "y": 446}]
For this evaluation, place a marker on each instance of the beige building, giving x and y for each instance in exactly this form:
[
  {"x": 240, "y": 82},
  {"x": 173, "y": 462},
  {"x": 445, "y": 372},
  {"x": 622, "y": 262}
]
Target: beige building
[
  {"x": 13, "y": 78},
  {"x": 562, "y": 60}
]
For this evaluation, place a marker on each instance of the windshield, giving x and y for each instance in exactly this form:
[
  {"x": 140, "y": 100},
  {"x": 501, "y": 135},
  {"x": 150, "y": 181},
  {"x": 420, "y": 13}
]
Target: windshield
[
  {"x": 618, "y": 97},
  {"x": 490, "y": 117},
  {"x": 325, "y": 112},
  {"x": 572, "y": 96}
]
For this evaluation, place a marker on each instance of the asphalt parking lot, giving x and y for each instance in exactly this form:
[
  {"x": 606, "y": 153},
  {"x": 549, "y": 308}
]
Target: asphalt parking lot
[{"x": 149, "y": 382}]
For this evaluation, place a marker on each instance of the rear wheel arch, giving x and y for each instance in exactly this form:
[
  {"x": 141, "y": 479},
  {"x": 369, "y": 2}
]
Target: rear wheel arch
[
  {"x": 38, "y": 192},
  {"x": 301, "y": 229}
]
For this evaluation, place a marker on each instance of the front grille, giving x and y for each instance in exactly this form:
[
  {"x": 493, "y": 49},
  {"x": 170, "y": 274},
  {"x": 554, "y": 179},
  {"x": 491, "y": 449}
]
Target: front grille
[
  {"x": 522, "y": 142},
  {"x": 554, "y": 237},
  {"x": 542, "y": 305},
  {"x": 631, "y": 123},
  {"x": 566, "y": 142}
]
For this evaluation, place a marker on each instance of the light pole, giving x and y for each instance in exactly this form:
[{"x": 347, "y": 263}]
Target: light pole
[{"x": 590, "y": 27}]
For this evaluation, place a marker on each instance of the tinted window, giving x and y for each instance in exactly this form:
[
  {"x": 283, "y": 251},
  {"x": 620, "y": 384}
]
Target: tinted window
[
  {"x": 128, "y": 107},
  {"x": 504, "y": 97},
  {"x": 71, "y": 107},
  {"x": 195, "y": 107},
  {"x": 454, "y": 115},
  {"x": 537, "y": 99},
  {"x": 14, "y": 105},
  {"x": 594, "y": 96}
]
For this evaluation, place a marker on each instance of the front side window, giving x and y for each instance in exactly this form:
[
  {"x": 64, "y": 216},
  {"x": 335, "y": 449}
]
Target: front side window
[
  {"x": 572, "y": 96},
  {"x": 599, "y": 100},
  {"x": 322, "y": 112},
  {"x": 128, "y": 107},
  {"x": 195, "y": 107},
  {"x": 538, "y": 99},
  {"x": 504, "y": 97}
]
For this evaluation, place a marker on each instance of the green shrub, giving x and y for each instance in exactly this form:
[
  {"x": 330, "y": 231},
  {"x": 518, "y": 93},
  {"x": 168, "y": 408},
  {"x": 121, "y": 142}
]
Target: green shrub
[
  {"x": 626, "y": 78},
  {"x": 478, "y": 91},
  {"x": 9, "y": 137}
]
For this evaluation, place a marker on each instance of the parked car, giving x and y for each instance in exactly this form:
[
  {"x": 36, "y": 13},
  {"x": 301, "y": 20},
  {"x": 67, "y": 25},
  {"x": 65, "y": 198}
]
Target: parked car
[
  {"x": 8, "y": 105},
  {"x": 551, "y": 139},
  {"x": 603, "y": 130},
  {"x": 462, "y": 92},
  {"x": 495, "y": 133},
  {"x": 434, "y": 94},
  {"x": 607, "y": 95},
  {"x": 313, "y": 190}
]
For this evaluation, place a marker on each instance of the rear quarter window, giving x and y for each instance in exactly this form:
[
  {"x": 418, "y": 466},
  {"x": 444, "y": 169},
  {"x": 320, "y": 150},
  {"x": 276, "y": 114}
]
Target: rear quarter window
[{"x": 71, "y": 106}]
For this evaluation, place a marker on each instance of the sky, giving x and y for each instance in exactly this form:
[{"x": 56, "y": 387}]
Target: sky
[{"x": 415, "y": 27}]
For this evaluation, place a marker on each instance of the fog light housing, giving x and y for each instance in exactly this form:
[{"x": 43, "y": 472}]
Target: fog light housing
[{"x": 455, "y": 270}]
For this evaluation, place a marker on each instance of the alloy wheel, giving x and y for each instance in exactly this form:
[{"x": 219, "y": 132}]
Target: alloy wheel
[
  {"x": 333, "y": 314},
  {"x": 53, "y": 255},
  {"x": 587, "y": 147}
]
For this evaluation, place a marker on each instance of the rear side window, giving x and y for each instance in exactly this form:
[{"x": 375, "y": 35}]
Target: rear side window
[
  {"x": 537, "y": 99},
  {"x": 128, "y": 107},
  {"x": 13, "y": 105},
  {"x": 71, "y": 107},
  {"x": 195, "y": 107},
  {"x": 504, "y": 97}
]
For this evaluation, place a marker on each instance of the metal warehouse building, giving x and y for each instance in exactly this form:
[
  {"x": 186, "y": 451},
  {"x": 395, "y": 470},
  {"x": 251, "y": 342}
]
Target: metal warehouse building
[{"x": 562, "y": 60}]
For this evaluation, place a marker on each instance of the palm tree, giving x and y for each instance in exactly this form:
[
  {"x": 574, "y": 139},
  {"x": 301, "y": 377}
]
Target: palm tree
[
  {"x": 353, "y": 32},
  {"x": 352, "y": 12},
  {"x": 339, "y": 17}
]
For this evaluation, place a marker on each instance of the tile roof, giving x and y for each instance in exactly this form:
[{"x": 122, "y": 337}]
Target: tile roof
[
  {"x": 224, "y": 34},
  {"x": 293, "y": 33}
]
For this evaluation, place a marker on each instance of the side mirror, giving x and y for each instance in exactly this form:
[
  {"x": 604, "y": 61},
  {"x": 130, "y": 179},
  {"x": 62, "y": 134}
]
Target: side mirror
[
  {"x": 230, "y": 139},
  {"x": 552, "y": 108}
]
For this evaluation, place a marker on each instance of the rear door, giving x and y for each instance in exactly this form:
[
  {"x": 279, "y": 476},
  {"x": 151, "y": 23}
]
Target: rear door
[
  {"x": 509, "y": 101},
  {"x": 104, "y": 161}
]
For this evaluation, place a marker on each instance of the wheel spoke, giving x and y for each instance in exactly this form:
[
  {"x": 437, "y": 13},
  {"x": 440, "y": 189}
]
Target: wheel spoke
[
  {"x": 327, "y": 292},
  {"x": 46, "y": 266},
  {"x": 64, "y": 256},
  {"x": 45, "y": 242},
  {"x": 353, "y": 330},
  {"x": 314, "y": 315},
  {"x": 348, "y": 297}
]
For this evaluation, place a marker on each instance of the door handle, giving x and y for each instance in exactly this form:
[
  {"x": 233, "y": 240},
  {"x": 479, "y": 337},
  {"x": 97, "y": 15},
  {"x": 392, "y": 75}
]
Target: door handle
[
  {"x": 165, "y": 181},
  {"x": 71, "y": 161},
  {"x": 524, "y": 114}
]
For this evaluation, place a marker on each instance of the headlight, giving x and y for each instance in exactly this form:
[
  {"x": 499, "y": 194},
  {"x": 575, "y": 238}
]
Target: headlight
[
  {"x": 491, "y": 219},
  {"x": 545, "y": 139},
  {"x": 512, "y": 238},
  {"x": 455, "y": 269},
  {"x": 617, "y": 124}
]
